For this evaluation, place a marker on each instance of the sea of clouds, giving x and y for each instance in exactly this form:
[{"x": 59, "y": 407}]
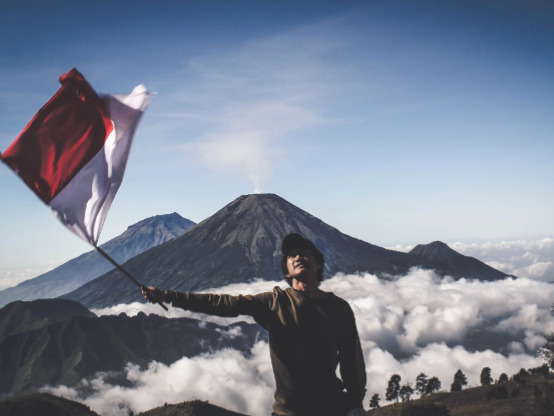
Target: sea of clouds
[{"x": 411, "y": 324}]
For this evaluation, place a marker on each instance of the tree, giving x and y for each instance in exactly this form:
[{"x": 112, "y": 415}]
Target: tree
[
  {"x": 503, "y": 378},
  {"x": 543, "y": 370},
  {"x": 406, "y": 392},
  {"x": 393, "y": 388},
  {"x": 460, "y": 380},
  {"x": 374, "y": 402},
  {"x": 486, "y": 379},
  {"x": 521, "y": 376},
  {"x": 421, "y": 384},
  {"x": 433, "y": 385},
  {"x": 547, "y": 350}
]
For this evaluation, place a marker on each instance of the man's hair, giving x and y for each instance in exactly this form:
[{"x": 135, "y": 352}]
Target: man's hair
[{"x": 296, "y": 241}]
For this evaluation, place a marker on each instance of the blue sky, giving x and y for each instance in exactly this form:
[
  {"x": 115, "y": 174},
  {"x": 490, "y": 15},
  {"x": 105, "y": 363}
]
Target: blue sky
[{"x": 397, "y": 122}]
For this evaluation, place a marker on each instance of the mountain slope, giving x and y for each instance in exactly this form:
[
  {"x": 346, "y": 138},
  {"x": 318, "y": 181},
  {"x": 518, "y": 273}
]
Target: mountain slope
[
  {"x": 451, "y": 260},
  {"x": 69, "y": 276},
  {"x": 64, "y": 350},
  {"x": 531, "y": 395},
  {"x": 44, "y": 405},
  {"x": 240, "y": 242},
  {"x": 193, "y": 408},
  {"x": 22, "y": 316}
]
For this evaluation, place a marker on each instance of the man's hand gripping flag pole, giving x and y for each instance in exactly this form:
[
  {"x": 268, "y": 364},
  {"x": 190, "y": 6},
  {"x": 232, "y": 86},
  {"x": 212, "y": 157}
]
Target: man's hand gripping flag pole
[{"x": 73, "y": 154}]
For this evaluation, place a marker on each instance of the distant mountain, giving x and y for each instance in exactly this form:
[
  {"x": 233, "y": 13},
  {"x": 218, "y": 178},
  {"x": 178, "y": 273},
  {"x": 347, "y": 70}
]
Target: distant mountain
[
  {"x": 136, "y": 239},
  {"x": 242, "y": 241},
  {"x": 454, "y": 263},
  {"x": 44, "y": 405},
  {"x": 56, "y": 341}
]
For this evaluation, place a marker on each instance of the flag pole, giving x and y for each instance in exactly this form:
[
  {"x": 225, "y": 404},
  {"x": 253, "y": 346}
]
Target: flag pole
[{"x": 122, "y": 270}]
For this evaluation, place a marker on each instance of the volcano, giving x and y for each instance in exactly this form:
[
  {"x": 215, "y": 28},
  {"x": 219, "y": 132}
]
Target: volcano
[{"x": 241, "y": 242}]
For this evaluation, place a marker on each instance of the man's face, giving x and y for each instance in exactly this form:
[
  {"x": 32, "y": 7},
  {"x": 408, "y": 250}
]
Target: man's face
[{"x": 301, "y": 265}]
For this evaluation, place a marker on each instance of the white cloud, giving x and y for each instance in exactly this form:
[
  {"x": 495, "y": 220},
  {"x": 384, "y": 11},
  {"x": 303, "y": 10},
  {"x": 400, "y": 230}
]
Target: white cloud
[
  {"x": 438, "y": 360},
  {"x": 407, "y": 325},
  {"x": 419, "y": 309},
  {"x": 10, "y": 278},
  {"x": 536, "y": 270},
  {"x": 225, "y": 378},
  {"x": 228, "y": 379}
]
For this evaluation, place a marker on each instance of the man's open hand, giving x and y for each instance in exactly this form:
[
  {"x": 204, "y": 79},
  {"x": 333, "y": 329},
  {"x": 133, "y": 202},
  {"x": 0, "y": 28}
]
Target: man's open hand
[{"x": 153, "y": 294}]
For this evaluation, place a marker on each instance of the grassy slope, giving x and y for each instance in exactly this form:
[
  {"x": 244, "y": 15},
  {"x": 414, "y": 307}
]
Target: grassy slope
[
  {"x": 43, "y": 405},
  {"x": 476, "y": 402},
  {"x": 193, "y": 408}
]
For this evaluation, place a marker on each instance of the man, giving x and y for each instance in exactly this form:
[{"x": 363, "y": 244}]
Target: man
[{"x": 310, "y": 333}]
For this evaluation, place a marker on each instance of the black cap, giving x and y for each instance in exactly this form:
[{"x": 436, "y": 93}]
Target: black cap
[{"x": 295, "y": 241}]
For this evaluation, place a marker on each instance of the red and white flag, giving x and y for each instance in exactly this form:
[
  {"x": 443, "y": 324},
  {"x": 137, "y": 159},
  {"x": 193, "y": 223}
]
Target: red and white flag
[{"x": 74, "y": 151}]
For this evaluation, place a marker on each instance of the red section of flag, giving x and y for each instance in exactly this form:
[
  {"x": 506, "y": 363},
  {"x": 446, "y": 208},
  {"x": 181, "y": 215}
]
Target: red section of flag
[{"x": 62, "y": 138}]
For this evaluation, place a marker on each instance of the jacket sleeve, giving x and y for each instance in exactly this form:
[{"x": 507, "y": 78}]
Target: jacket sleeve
[
  {"x": 351, "y": 360},
  {"x": 256, "y": 306}
]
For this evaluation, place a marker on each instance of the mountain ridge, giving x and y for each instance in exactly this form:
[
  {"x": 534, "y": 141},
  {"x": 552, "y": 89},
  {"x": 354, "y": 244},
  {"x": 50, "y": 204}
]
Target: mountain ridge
[
  {"x": 136, "y": 239},
  {"x": 63, "y": 343},
  {"x": 450, "y": 259},
  {"x": 242, "y": 241},
  {"x": 22, "y": 316}
]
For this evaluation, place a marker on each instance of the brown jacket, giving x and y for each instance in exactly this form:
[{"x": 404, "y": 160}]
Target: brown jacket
[{"x": 308, "y": 337}]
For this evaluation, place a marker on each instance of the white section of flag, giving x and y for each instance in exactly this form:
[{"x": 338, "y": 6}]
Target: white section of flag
[{"x": 83, "y": 204}]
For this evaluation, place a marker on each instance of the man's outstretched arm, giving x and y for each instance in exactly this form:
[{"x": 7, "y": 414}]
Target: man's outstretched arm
[{"x": 212, "y": 304}]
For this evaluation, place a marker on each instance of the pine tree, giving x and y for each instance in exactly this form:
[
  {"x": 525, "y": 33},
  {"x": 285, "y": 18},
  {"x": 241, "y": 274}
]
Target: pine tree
[
  {"x": 393, "y": 388},
  {"x": 421, "y": 384},
  {"x": 521, "y": 377},
  {"x": 547, "y": 350},
  {"x": 374, "y": 402},
  {"x": 460, "y": 380},
  {"x": 433, "y": 385},
  {"x": 486, "y": 378},
  {"x": 406, "y": 392}
]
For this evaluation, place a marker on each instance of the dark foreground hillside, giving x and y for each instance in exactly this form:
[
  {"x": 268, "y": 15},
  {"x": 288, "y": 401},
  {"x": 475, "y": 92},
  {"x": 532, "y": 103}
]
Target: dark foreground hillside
[
  {"x": 55, "y": 341},
  {"x": 530, "y": 396},
  {"x": 43, "y": 405},
  {"x": 49, "y": 405},
  {"x": 194, "y": 408}
]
